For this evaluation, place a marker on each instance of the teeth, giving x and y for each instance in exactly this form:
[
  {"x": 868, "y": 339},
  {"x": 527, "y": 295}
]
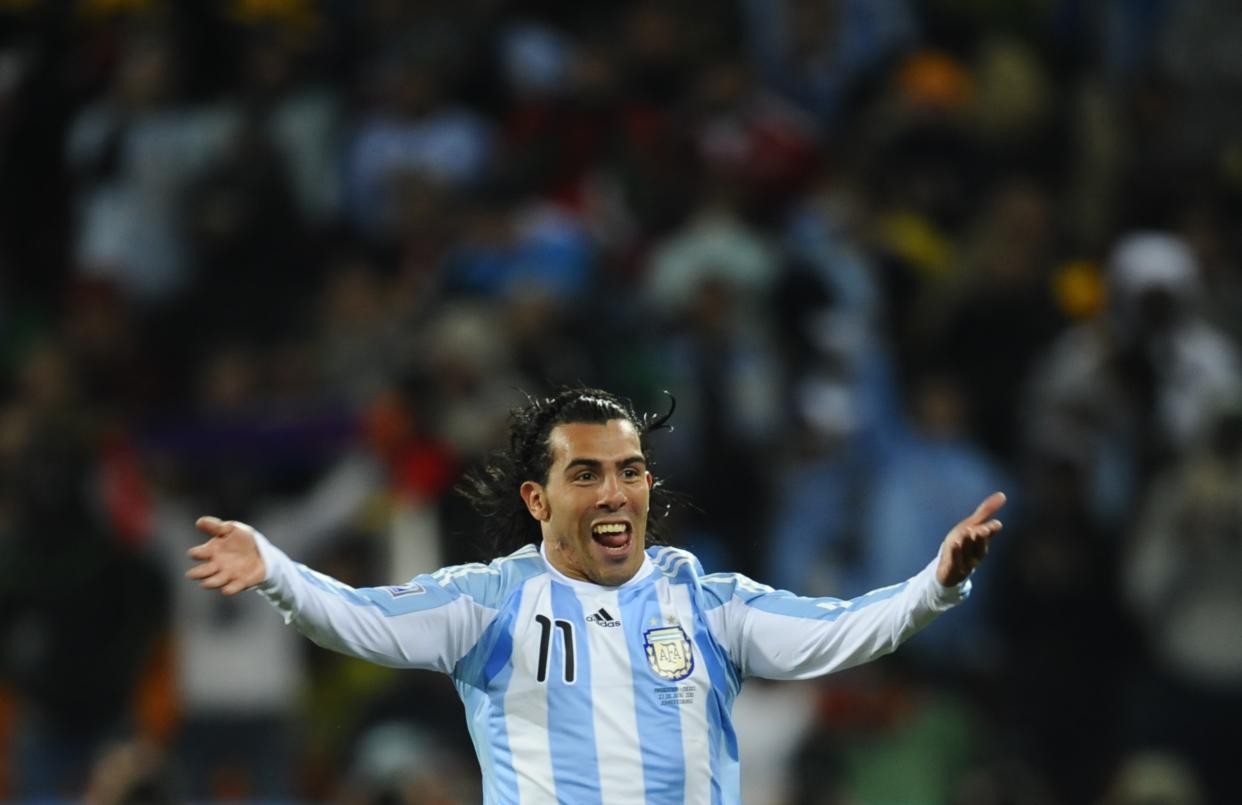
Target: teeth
[{"x": 610, "y": 528}]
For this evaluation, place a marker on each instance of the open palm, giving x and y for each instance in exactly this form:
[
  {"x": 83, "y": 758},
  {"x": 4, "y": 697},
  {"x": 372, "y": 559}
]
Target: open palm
[
  {"x": 967, "y": 542},
  {"x": 230, "y": 560}
]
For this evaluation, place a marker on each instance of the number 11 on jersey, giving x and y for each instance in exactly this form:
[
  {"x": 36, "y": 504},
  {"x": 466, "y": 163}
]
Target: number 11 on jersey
[{"x": 545, "y": 647}]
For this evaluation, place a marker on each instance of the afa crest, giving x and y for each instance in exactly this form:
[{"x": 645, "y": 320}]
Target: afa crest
[{"x": 669, "y": 652}]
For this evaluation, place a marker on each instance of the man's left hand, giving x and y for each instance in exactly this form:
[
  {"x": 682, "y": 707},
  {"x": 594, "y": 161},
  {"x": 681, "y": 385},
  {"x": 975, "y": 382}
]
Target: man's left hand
[{"x": 967, "y": 543}]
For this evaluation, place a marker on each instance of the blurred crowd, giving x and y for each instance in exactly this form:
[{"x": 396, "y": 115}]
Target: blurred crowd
[{"x": 292, "y": 261}]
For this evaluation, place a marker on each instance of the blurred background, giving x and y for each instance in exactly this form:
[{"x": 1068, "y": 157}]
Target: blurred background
[{"x": 291, "y": 262}]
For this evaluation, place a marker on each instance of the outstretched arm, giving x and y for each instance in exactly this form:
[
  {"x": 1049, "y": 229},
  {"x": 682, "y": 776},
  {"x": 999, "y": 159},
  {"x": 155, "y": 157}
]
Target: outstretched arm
[
  {"x": 778, "y": 635},
  {"x": 423, "y": 624}
]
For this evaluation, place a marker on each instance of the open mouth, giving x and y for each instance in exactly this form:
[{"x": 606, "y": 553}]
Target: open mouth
[{"x": 612, "y": 537}]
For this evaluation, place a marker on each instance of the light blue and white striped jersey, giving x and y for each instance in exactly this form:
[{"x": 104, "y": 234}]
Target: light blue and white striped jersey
[{"x": 577, "y": 693}]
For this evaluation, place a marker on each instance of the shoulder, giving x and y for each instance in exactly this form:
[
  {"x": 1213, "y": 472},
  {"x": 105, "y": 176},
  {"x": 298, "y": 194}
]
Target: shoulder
[
  {"x": 680, "y": 566},
  {"x": 724, "y": 587},
  {"x": 676, "y": 564},
  {"x": 491, "y": 584}
]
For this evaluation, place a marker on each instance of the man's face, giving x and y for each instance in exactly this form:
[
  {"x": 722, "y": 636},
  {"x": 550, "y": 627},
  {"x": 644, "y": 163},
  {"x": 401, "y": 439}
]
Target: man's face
[{"x": 593, "y": 509}]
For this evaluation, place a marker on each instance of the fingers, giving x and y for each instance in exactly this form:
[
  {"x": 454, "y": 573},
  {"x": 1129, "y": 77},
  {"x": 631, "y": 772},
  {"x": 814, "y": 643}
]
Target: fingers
[
  {"x": 213, "y": 577},
  {"x": 967, "y": 544},
  {"x": 216, "y": 581},
  {"x": 990, "y": 506},
  {"x": 974, "y": 549},
  {"x": 221, "y": 564},
  {"x": 213, "y": 526},
  {"x": 984, "y": 531},
  {"x": 202, "y": 571},
  {"x": 978, "y": 537},
  {"x": 970, "y": 546},
  {"x": 216, "y": 529}
]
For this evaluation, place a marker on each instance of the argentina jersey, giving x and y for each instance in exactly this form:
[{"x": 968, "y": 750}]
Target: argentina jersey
[{"x": 577, "y": 693}]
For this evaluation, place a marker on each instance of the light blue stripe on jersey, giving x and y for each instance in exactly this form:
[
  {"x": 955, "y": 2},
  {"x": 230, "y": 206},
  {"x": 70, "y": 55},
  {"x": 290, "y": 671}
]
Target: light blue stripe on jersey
[
  {"x": 683, "y": 567},
  {"x": 680, "y": 565},
  {"x": 782, "y": 602},
  {"x": 482, "y": 676},
  {"x": 487, "y": 743},
  {"x": 490, "y": 584},
  {"x": 726, "y": 771},
  {"x": 571, "y": 723},
  {"x": 484, "y": 701},
  {"x": 419, "y": 594},
  {"x": 659, "y": 726}
]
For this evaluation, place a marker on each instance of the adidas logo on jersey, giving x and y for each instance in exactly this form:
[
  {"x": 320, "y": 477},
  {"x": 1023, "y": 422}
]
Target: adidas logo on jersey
[{"x": 602, "y": 618}]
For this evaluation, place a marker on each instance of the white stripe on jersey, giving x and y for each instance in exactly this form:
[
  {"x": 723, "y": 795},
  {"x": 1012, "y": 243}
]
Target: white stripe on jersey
[
  {"x": 446, "y": 574},
  {"x": 526, "y": 701},
  {"x": 612, "y": 700},
  {"x": 669, "y": 556},
  {"x": 695, "y": 745}
]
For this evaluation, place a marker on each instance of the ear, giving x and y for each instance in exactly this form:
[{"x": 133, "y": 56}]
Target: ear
[{"x": 535, "y": 499}]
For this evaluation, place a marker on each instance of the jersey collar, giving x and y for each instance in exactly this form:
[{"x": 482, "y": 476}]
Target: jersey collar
[{"x": 644, "y": 571}]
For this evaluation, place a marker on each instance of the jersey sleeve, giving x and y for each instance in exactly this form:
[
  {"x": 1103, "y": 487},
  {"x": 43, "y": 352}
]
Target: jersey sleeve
[
  {"x": 775, "y": 634},
  {"x": 422, "y": 624}
]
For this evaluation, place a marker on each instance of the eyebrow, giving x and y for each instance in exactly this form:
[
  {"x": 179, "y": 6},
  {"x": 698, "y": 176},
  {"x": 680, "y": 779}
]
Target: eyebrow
[{"x": 596, "y": 464}]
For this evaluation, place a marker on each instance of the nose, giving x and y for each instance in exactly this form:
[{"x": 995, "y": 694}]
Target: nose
[{"x": 611, "y": 494}]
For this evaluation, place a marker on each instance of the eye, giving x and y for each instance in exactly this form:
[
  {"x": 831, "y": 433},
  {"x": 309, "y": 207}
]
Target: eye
[
  {"x": 631, "y": 473},
  {"x": 585, "y": 476}
]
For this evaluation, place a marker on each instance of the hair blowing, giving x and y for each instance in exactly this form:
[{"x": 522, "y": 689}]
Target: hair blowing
[{"x": 493, "y": 488}]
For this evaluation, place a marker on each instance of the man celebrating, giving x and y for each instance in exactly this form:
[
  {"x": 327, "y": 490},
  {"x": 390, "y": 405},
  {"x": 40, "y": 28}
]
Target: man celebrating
[{"x": 593, "y": 668}]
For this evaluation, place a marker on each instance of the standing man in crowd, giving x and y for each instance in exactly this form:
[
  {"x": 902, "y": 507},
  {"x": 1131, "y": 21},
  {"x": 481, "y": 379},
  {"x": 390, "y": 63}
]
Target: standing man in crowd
[{"x": 594, "y": 667}]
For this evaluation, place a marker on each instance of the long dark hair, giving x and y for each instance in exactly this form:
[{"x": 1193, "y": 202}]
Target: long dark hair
[{"x": 492, "y": 489}]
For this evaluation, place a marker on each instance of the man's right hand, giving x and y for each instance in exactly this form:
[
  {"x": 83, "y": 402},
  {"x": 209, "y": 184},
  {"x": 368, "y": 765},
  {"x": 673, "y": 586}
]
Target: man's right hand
[{"x": 230, "y": 560}]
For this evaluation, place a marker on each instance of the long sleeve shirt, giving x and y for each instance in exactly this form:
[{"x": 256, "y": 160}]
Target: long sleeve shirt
[{"x": 579, "y": 693}]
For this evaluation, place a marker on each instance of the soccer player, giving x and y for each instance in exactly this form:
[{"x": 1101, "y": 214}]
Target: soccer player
[{"x": 594, "y": 668}]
